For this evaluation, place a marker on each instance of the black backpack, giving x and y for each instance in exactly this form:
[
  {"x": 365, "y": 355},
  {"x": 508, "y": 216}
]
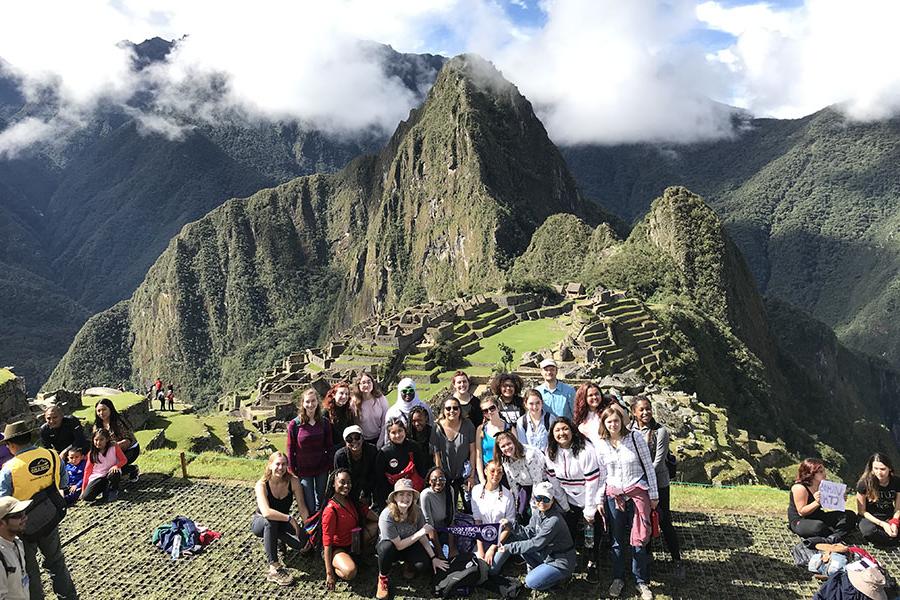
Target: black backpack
[
  {"x": 464, "y": 573},
  {"x": 47, "y": 509}
]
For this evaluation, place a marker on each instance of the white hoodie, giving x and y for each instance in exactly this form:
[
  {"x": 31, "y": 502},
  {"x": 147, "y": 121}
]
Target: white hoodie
[{"x": 402, "y": 408}]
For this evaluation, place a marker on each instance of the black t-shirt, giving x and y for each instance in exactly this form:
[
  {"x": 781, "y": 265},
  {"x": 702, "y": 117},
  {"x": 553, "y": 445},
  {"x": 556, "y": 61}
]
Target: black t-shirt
[
  {"x": 883, "y": 507},
  {"x": 362, "y": 471},
  {"x": 69, "y": 433}
]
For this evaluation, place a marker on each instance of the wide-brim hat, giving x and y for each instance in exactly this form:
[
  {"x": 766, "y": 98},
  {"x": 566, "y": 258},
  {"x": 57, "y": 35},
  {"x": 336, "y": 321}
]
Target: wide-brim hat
[
  {"x": 10, "y": 506},
  {"x": 403, "y": 485},
  {"x": 16, "y": 429},
  {"x": 869, "y": 581}
]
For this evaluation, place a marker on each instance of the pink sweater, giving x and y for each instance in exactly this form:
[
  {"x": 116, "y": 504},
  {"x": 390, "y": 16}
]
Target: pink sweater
[
  {"x": 641, "y": 528},
  {"x": 105, "y": 461}
]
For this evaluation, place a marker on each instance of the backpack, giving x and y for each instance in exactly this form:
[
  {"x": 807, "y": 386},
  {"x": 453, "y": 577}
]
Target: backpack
[
  {"x": 179, "y": 536},
  {"x": 463, "y": 544},
  {"x": 464, "y": 572},
  {"x": 47, "y": 509},
  {"x": 313, "y": 528}
]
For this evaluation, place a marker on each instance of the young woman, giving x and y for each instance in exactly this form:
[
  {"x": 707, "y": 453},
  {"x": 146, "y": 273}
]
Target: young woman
[
  {"x": 104, "y": 468},
  {"x": 657, "y": 438},
  {"x": 490, "y": 503},
  {"x": 525, "y": 467},
  {"x": 273, "y": 521},
  {"x": 507, "y": 388},
  {"x": 484, "y": 436},
  {"x": 337, "y": 410},
  {"x": 309, "y": 449},
  {"x": 399, "y": 459},
  {"x": 437, "y": 503},
  {"x": 453, "y": 442},
  {"x": 358, "y": 457},
  {"x": 404, "y": 536},
  {"x": 571, "y": 460},
  {"x": 370, "y": 407},
  {"x": 878, "y": 501},
  {"x": 631, "y": 495},
  {"x": 533, "y": 428},
  {"x": 108, "y": 418},
  {"x": 407, "y": 400},
  {"x": 589, "y": 403},
  {"x": 420, "y": 429},
  {"x": 470, "y": 408},
  {"x": 805, "y": 515},
  {"x": 545, "y": 543},
  {"x": 342, "y": 518}
]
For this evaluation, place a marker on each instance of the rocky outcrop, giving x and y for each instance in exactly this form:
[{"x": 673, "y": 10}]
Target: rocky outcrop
[{"x": 13, "y": 401}]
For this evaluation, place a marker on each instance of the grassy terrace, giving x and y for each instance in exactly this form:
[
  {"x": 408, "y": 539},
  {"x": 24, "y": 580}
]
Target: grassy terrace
[{"x": 120, "y": 401}]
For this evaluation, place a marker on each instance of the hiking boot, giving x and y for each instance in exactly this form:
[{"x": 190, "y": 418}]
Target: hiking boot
[
  {"x": 616, "y": 587},
  {"x": 384, "y": 588},
  {"x": 590, "y": 574},
  {"x": 645, "y": 591},
  {"x": 280, "y": 576},
  {"x": 409, "y": 571},
  {"x": 135, "y": 475},
  {"x": 679, "y": 571}
]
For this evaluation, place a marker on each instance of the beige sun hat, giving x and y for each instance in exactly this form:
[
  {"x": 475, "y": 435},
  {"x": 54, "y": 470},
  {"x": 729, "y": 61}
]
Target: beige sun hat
[{"x": 403, "y": 485}]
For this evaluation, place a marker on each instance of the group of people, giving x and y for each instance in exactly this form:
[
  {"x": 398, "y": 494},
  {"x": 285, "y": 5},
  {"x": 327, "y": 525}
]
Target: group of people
[
  {"x": 87, "y": 468},
  {"x": 557, "y": 469},
  {"x": 164, "y": 395},
  {"x": 877, "y": 513}
]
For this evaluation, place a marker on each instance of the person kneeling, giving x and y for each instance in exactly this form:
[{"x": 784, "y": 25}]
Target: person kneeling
[
  {"x": 346, "y": 527},
  {"x": 404, "y": 536},
  {"x": 545, "y": 543},
  {"x": 103, "y": 472}
]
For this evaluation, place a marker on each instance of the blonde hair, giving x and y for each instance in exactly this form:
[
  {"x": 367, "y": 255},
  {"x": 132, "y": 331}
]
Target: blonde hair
[
  {"x": 268, "y": 474},
  {"x": 613, "y": 409},
  {"x": 412, "y": 513}
]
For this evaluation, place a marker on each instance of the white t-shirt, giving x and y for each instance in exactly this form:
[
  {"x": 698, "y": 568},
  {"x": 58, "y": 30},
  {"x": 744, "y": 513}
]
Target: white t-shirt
[{"x": 494, "y": 506}]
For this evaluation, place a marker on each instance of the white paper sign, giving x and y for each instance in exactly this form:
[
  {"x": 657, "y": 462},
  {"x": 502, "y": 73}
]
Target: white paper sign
[{"x": 832, "y": 495}]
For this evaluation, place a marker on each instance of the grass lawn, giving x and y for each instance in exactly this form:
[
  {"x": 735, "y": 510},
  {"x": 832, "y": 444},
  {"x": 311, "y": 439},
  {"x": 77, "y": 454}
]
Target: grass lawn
[
  {"x": 165, "y": 461},
  {"x": 182, "y": 429},
  {"x": 120, "y": 401},
  {"x": 6, "y": 375},
  {"x": 427, "y": 390},
  {"x": 521, "y": 337},
  {"x": 213, "y": 465}
]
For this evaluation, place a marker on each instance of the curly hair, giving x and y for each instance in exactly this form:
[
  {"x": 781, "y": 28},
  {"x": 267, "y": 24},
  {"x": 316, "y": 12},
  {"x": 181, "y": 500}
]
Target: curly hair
[{"x": 581, "y": 406}]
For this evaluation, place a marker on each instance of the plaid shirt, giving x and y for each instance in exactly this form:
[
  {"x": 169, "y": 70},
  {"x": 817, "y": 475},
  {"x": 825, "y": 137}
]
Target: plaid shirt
[{"x": 624, "y": 463}]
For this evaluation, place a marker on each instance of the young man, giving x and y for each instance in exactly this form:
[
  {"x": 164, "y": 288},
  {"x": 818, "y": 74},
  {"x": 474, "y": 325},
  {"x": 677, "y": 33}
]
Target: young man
[
  {"x": 30, "y": 470},
  {"x": 61, "y": 431},
  {"x": 13, "y": 578},
  {"x": 559, "y": 397}
]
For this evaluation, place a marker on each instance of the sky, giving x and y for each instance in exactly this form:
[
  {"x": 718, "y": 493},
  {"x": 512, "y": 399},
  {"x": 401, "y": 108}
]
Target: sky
[{"x": 597, "y": 71}]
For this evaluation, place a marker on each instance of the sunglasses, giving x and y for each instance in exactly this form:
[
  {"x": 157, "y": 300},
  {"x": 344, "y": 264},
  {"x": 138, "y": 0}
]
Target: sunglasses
[
  {"x": 354, "y": 437},
  {"x": 438, "y": 479},
  {"x": 408, "y": 392},
  {"x": 451, "y": 408},
  {"x": 542, "y": 499},
  {"x": 490, "y": 408}
]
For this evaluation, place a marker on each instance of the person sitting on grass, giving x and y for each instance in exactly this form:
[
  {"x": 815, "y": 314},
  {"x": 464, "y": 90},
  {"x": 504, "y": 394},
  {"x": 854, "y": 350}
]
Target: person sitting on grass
[
  {"x": 545, "y": 543},
  {"x": 61, "y": 431},
  {"x": 273, "y": 521},
  {"x": 103, "y": 472},
  {"x": 76, "y": 462},
  {"x": 438, "y": 504},
  {"x": 878, "y": 502},
  {"x": 805, "y": 515},
  {"x": 404, "y": 536},
  {"x": 108, "y": 418},
  {"x": 524, "y": 467},
  {"x": 343, "y": 519}
]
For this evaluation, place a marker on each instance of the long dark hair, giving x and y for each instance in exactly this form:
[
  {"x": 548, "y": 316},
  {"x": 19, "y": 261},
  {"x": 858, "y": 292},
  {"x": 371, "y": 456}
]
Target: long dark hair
[
  {"x": 577, "y": 439},
  {"x": 582, "y": 409},
  {"x": 340, "y": 416},
  {"x": 95, "y": 452},
  {"x": 869, "y": 481},
  {"x": 398, "y": 420},
  {"x": 118, "y": 424}
]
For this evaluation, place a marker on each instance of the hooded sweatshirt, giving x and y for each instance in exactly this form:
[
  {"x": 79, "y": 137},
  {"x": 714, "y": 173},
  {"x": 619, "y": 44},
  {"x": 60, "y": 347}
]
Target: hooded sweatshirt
[{"x": 402, "y": 407}]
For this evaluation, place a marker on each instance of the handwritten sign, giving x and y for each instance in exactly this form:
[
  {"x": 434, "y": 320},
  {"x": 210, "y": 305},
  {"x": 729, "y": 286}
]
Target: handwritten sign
[{"x": 832, "y": 495}]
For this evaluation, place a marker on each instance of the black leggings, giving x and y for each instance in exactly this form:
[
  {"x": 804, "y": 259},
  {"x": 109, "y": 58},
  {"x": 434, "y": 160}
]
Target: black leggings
[
  {"x": 461, "y": 495},
  {"x": 388, "y": 555},
  {"x": 823, "y": 524},
  {"x": 874, "y": 534},
  {"x": 273, "y": 531},
  {"x": 102, "y": 485},
  {"x": 665, "y": 523},
  {"x": 131, "y": 455},
  {"x": 576, "y": 523}
]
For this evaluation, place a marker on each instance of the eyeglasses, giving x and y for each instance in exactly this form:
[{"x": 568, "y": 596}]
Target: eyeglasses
[
  {"x": 19, "y": 515},
  {"x": 354, "y": 437},
  {"x": 451, "y": 408},
  {"x": 490, "y": 408},
  {"x": 438, "y": 479},
  {"x": 542, "y": 499}
]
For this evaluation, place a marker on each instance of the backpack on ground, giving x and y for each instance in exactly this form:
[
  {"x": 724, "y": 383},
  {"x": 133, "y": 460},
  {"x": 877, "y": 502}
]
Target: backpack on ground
[
  {"x": 464, "y": 572},
  {"x": 178, "y": 537},
  {"x": 47, "y": 508}
]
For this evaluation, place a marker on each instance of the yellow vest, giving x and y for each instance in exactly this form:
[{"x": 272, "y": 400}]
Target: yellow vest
[{"x": 33, "y": 471}]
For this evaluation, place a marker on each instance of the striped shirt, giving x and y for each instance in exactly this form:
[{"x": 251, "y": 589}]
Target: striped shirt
[
  {"x": 623, "y": 463},
  {"x": 581, "y": 477}
]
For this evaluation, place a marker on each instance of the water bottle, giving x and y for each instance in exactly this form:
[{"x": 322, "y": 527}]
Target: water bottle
[{"x": 588, "y": 535}]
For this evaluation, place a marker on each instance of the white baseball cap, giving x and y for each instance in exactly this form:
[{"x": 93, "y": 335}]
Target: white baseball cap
[{"x": 548, "y": 362}]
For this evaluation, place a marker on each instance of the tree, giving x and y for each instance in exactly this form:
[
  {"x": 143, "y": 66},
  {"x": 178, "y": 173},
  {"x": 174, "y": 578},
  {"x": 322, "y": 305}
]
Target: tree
[{"x": 506, "y": 358}]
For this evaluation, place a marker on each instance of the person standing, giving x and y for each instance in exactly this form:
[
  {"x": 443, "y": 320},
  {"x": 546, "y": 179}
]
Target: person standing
[
  {"x": 61, "y": 431},
  {"x": 31, "y": 470},
  {"x": 507, "y": 389},
  {"x": 559, "y": 397},
  {"x": 462, "y": 391},
  {"x": 453, "y": 441},
  {"x": 13, "y": 579},
  {"x": 370, "y": 407},
  {"x": 309, "y": 449},
  {"x": 533, "y": 428},
  {"x": 407, "y": 400}
]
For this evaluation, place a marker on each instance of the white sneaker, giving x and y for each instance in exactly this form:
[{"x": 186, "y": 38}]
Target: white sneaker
[
  {"x": 646, "y": 592},
  {"x": 616, "y": 587}
]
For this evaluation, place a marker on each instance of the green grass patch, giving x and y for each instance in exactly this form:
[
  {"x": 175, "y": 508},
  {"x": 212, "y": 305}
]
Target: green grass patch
[
  {"x": 279, "y": 440},
  {"x": 164, "y": 461},
  {"x": 6, "y": 375},
  {"x": 122, "y": 402},
  {"x": 743, "y": 498},
  {"x": 145, "y": 435},
  {"x": 213, "y": 465},
  {"x": 428, "y": 390},
  {"x": 184, "y": 428},
  {"x": 527, "y": 336}
]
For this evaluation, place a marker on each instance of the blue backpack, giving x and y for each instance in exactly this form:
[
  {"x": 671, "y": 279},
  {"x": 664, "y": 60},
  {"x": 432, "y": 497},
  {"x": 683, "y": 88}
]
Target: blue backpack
[{"x": 176, "y": 537}]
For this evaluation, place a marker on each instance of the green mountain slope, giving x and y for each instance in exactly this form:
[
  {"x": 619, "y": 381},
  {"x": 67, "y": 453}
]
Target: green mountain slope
[{"x": 812, "y": 203}]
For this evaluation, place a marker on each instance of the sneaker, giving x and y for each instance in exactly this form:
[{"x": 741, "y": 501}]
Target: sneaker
[
  {"x": 135, "y": 475},
  {"x": 645, "y": 591},
  {"x": 280, "y": 576},
  {"x": 591, "y": 575},
  {"x": 616, "y": 587},
  {"x": 384, "y": 588},
  {"x": 679, "y": 570}
]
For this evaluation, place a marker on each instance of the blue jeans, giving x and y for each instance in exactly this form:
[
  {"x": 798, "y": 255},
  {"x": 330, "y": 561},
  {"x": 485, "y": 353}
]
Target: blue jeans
[
  {"x": 540, "y": 576},
  {"x": 314, "y": 491},
  {"x": 619, "y": 524}
]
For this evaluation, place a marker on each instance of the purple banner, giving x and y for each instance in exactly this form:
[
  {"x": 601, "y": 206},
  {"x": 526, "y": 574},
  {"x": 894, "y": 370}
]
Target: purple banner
[{"x": 488, "y": 532}]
